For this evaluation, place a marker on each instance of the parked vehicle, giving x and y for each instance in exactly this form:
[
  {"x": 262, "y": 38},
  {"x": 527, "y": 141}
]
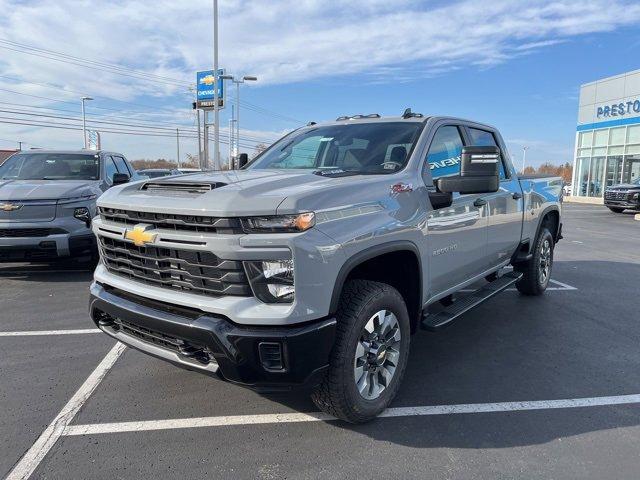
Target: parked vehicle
[
  {"x": 159, "y": 172},
  {"x": 314, "y": 265},
  {"x": 48, "y": 199},
  {"x": 625, "y": 196}
]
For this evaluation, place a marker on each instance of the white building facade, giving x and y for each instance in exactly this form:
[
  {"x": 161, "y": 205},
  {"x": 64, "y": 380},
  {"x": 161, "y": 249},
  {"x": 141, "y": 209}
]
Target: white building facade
[{"x": 607, "y": 148}]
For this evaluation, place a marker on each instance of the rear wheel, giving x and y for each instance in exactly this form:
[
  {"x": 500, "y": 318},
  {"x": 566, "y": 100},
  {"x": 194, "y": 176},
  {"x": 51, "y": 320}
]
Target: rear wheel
[
  {"x": 537, "y": 270},
  {"x": 370, "y": 353},
  {"x": 616, "y": 209}
]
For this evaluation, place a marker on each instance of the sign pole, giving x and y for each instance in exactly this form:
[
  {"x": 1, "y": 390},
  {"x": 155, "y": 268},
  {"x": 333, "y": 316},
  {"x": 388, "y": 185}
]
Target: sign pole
[
  {"x": 199, "y": 140},
  {"x": 216, "y": 113},
  {"x": 205, "y": 114}
]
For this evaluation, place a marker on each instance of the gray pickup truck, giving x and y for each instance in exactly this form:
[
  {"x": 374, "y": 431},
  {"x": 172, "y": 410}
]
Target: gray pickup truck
[
  {"x": 314, "y": 264},
  {"x": 48, "y": 198}
]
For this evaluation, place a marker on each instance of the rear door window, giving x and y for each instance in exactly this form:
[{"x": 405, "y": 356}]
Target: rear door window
[{"x": 483, "y": 138}]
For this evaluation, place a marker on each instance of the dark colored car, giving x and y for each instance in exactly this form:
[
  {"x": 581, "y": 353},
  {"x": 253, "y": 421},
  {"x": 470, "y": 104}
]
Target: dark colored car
[
  {"x": 159, "y": 172},
  {"x": 619, "y": 198}
]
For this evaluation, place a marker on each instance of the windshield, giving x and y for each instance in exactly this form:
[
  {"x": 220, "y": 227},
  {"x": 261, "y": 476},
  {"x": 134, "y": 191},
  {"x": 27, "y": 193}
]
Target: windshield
[
  {"x": 50, "y": 166},
  {"x": 377, "y": 147}
]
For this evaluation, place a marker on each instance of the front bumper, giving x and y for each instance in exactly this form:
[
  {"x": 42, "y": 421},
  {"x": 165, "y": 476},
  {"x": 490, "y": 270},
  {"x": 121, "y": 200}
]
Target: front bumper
[
  {"x": 630, "y": 204},
  {"x": 46, "y": 247},
  {"x": 264, "y": 358}
]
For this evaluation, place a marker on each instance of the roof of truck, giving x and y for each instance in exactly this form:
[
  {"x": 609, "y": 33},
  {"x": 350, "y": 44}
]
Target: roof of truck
[{"x": 380, "y": 119}]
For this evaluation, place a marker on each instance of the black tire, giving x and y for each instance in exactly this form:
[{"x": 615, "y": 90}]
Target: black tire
[
  {"x": 531, "y": 282},
  {"x": 616, "y": 210},
  {"x": 338, "y": 393}
]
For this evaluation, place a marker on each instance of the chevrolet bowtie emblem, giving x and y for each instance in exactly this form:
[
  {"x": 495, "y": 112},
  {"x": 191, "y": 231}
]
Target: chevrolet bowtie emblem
[
  {"x": 140, "y": 235},
  {"x": 9, "y": 207}
]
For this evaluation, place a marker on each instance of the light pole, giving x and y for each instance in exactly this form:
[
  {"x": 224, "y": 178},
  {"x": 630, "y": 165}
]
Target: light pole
[
  {"x": 524, "y": 157},
  {"x": 84, "y": 121},
  {"x": 245, "y": 78}
]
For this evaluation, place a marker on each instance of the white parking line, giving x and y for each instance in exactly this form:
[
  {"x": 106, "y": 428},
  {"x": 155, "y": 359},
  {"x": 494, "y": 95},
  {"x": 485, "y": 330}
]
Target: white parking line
[
  {"x": 171, "y": 424},
  {"x": 37, "y": 333},
  {"x": 30, "y": 460}
]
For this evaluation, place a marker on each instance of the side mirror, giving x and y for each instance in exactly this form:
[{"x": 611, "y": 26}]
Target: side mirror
[
  {"x": 243, "y": 159},
  {"x": 120, "y": 178},
  {"x": 479, "y": 167}
]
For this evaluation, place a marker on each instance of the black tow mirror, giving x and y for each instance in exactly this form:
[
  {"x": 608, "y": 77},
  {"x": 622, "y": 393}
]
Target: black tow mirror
[
  {"x": 243, "y": 159},
  {"x": 479, "y": 167},
  {"x": 120, "y": 178}
]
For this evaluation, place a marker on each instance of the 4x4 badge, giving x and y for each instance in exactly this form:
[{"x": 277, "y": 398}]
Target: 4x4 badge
[{"x": 140, "y": 235}]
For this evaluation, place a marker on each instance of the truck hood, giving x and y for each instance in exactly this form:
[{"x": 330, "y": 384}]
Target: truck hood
[
  {"x": 235, "y": 193},
  {"x": 44, "y": 189}
]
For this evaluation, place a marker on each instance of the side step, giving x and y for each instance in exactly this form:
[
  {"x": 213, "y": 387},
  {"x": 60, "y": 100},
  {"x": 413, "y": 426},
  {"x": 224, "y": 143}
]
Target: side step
[{"x": 441, "y": 319}]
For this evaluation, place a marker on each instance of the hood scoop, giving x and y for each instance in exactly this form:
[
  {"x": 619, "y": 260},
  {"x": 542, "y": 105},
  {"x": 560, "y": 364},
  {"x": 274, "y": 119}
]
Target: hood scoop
[{"x": 181, "y": 187}]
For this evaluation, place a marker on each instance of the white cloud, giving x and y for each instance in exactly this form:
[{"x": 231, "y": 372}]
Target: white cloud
[{"x": 280, "y": 41}]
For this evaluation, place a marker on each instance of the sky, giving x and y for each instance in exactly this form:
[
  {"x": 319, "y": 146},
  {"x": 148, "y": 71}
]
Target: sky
[{"x": 517, "y": 65}]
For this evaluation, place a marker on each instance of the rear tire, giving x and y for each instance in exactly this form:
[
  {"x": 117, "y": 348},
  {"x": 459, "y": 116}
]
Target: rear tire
[
  {"x": 537, "y": 271},
  {"x": 616, "y": 210},
  {"x": 369, "y": 355}
]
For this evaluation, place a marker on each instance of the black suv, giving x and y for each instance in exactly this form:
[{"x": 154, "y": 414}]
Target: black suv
[{"x": 622, "y": 197}]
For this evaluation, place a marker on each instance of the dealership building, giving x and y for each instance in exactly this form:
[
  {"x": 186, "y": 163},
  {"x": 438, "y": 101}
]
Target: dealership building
[{"x": 607, "y": 148}]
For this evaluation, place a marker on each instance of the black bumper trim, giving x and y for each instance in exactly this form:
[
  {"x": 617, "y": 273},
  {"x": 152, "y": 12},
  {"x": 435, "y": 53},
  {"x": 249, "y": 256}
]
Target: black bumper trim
[{"x": 235, "y": 348}]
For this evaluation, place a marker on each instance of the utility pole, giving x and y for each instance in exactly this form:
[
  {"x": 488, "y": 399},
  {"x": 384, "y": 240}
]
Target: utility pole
[
  {"x": 231, "y": 143},
  {"x": 84, "y": 122},
  {"x": 178, "y": 146},
  {"x": 216, "y": 109},
  {"x": 20, "y": 146},
  {"x": 524, "y": 157}
]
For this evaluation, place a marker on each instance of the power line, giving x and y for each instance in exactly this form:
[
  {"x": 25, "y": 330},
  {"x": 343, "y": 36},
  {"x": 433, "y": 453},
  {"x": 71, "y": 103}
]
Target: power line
[
  {"x": 127, "y": 71},
  {"x": 147, "y": 126}
]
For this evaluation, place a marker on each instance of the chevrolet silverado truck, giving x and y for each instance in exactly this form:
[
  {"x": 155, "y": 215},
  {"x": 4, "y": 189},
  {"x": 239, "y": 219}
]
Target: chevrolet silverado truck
[
  {"x": 48, "y": 198},
  {"x": 313, "y": 265}
]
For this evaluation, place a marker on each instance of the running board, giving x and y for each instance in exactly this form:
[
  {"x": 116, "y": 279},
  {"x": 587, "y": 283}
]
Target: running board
[{"x": 443, "y": 318}]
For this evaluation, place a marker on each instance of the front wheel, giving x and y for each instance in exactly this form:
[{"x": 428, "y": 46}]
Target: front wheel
[
  {"x": 537, "y": 270},
  {"x": 369, "y": 355},
  {"x": 616, "y": 209}
]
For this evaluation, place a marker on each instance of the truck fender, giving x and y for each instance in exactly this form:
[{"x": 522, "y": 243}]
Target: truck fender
[{"x": 367, "y": 254}]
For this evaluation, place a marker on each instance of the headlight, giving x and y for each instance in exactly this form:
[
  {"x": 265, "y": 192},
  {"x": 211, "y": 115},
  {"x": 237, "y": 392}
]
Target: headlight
[
  {"x": 635, "y": 196},
  {"x": 272, "y": 280},
  {"x": 83, "y": 214},
  {"x": 279, "y": 223}
]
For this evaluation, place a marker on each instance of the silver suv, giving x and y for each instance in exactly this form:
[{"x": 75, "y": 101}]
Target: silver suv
[
  {"x": 314, "y": 264},
  {"x": 48, "y": 199}
]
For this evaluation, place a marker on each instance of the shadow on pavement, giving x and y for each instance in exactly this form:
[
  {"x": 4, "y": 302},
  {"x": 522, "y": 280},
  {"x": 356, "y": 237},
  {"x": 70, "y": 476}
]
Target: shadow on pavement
[{"x": 566, "y": 344}]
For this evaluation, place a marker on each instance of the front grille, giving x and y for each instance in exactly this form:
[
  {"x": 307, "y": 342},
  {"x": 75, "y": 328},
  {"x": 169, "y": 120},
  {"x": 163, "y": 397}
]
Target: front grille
[
  {"x": 28, "y": 232},
  {"x": 193, "y": 223},
  {"x": 615, "y": 195},
  {"x": 185, "y": 270}
]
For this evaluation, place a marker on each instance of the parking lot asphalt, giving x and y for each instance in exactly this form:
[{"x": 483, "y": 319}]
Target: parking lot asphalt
[{"x": 564, "y": 370}]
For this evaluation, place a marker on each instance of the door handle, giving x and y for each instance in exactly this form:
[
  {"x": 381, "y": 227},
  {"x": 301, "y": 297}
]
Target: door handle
[
  {"x": 479, "y": 202},
  {"x": 516, "y": 195}
]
